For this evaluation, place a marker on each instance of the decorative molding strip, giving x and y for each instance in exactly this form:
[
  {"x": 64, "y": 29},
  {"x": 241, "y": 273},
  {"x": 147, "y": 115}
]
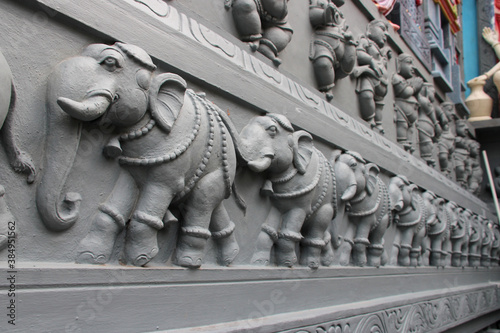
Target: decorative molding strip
[
  {"x": 427, "y": 316},
  {"x": 275, "y": 87}
]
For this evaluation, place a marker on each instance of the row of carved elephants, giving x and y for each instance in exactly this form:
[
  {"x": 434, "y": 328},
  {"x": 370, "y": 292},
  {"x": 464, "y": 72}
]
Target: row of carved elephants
[
  {"x": 335, "y": 54},
  {"x": 178, "y": 154}
]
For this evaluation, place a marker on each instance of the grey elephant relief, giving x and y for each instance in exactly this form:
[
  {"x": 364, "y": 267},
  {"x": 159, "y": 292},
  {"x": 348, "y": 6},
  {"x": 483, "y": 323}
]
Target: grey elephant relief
[
  {"x": 173, "y": 146},
  {"x": 304, "y": 190},
  {"x": 333, "y": 49},
  {"x": 263, "y": 24},
  {"x": 460, "y": 234},
  {"x": 406, "y": 88},
  {"x": 439, "y": 232},
  {"x": 372, "y": 78},
  {"x": 20, "y": 161},
  {"x": 411, "y": 220},
  {"x": 369, "y": 214}
]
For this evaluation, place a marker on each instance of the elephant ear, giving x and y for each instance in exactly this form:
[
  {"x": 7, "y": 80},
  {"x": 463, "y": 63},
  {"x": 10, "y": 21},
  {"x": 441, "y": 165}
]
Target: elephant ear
[
  {"x": 414, "y": 203},
  {"x": 372, "y": 171},
  {"x": 302, "y": 150},
  {"x": 166, "y": 98}
]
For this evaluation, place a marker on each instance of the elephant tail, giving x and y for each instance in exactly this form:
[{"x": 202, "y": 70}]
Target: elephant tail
[
  {"x": 59, "y": 211},
  {"x": 240, "y": 202},
  {"x": 20, "y": 161}
]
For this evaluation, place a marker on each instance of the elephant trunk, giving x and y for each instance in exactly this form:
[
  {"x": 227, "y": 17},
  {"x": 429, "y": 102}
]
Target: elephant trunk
[
  {"x": 59, "y": 211},
  {"x": 346, "y": 181}
]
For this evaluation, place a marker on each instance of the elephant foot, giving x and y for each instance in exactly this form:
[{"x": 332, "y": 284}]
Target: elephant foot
[
  {"x": 327, "y": 255},
  {"x": 228, "y": 246},
  {"x": 311, "y": 252},
  {"x": 456, "y": 259},
  {"x": 345, "y": 253},
  {"x": 3, "y": 242},
  {"x": 359, "y": 252},
  {"x": 485, "y": 262},
  {"x": 374, "y": 256},
  {"x": 261, "y": 258},
  {"x": 190, "y": 247},
  {"x": 286, "y": 259},
  {"x": 88, "y": 257},
  {"x": 404, "y": 255},
  {"x": 285, "y": 248},
  {"x": 435, "y": 258},
  {"x": 142, "y": 242},
  {"x": 414, "y": 257},
  {"x": 474, "y": 260}
]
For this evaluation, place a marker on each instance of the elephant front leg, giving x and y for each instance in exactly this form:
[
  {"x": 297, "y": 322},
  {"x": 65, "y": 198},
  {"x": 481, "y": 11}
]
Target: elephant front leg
[
  {"x": 147, "y": 220},
  {"x": 222, "y": 230},
  {"x": 289, "y": 236},
  {"x": 97, "y": 246},
  {"x": 361, "y": 241},
  {"x": 267, "y": 237},
  {"x": 435, "y": 257},
  {"x": 405, "y": 246},
  {"x": 456, "y": 253}
]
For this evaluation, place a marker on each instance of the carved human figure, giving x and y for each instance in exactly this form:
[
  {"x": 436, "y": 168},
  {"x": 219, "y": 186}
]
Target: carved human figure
[
  {"x": 406, "y": 88},
  {"x": 372, "y": 78},
  {"x": 446, "y": 142},
  {"x": 264, "y": 24},
  {"x": 427, "y": 124},
  {"x": 333, "y": 50},
  {"x": 439, "y": 232},
  {"x": 303, "y": 188},
  {"x": 173, "y": 146},
  {"x": 476, "y": 172},
  {"x": 411, "y": 222},
  {"x": 368, "y": 214},
  {"x": 462, "y": 153},
  {"x": 460, "y": 234},
  {"x": 20, "y": 161}
]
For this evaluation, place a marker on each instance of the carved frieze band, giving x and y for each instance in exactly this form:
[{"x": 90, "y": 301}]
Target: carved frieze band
[{"x": 427, "y": 316}]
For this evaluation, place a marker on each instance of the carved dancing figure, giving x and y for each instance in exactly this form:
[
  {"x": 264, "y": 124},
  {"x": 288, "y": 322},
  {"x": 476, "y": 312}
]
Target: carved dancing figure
[
  {"x": 371, "y": 73},
  {"x": 462, "y": 152},
  {"x": 173, "y": 146},
  {"x": 333, "y": 50},
  {"x": 406, "y": 88},
  {"x": 20, "y": 161},
  {"x": 476, "y": 174},
  {"x": 427, "y": 124},
  {"x": 446, "y": 142},
  {"x": 264, "y": 24}
]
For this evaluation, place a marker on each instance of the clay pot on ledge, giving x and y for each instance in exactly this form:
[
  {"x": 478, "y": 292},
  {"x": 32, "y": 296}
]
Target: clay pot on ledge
[{"x": 478, "y": 102}]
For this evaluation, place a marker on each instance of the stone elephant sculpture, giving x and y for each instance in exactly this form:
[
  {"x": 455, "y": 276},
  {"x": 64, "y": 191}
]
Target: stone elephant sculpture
[
  {"x": 487, "y": 242},
  {"x": 460, "y": 234},
  {"x": 439, "y": 232},
  {"x": 368, "y": 213},
  {"x": 495, "y": 247},
  {"x": 411, "y": 221},
  {"x": 475, "y": 241},
  {"x": 173, "y": 147},
  {"x": 303, "y": 188},
  {"x": 19, "y": 160}
]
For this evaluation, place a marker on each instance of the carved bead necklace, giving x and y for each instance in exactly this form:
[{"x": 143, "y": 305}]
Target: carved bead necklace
[
  {"x": 132, "y": 135},
  {"x": 324, "y": 189}
]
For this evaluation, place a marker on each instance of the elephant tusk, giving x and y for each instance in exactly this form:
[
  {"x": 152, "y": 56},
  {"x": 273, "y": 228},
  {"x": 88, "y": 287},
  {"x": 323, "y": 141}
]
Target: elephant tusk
[
  {"x": 349, "y": 192},
  {"x": 261, "y": 164},
  {"x": 89, "y": 109}
]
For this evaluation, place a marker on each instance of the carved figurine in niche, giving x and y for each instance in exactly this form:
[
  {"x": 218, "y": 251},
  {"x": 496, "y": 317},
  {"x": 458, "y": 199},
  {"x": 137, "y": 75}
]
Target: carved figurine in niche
[
  {"x": 173, "y": 146},
  {"x": 303, "y": 188},
  {"x": 439, "y": 232},
  {"x": 475, "y": 241},
  {"x": 476, "y": 172},
  {"x": 372, "y": 81},
  {"x": 368, "y": 214},
  {"x": 19, "y": 160},
  {"x": 427, "y": 124},
  {"x": 411, "y": 221},
  {"x": 462, "y": 153},
  {"x": 264, "y": 24},
  {"x": 333, "y": 50},
  {"x": 406, "y": 88},
  {"x": 446, "y": 142},
  {"x": 459, "y": 235}
]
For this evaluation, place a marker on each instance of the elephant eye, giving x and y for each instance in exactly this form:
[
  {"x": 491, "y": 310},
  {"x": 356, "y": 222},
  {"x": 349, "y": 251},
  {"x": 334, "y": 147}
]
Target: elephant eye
[
  {"x": 110, "y": 64},
  {"x": 272, "y": 130},
  {"x": 353, "y": 165}
]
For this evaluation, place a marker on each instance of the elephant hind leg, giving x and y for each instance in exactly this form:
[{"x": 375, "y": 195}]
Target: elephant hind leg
[
  {"x": 222, "y": 230},
  {"x": 314, "y": 236}
]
